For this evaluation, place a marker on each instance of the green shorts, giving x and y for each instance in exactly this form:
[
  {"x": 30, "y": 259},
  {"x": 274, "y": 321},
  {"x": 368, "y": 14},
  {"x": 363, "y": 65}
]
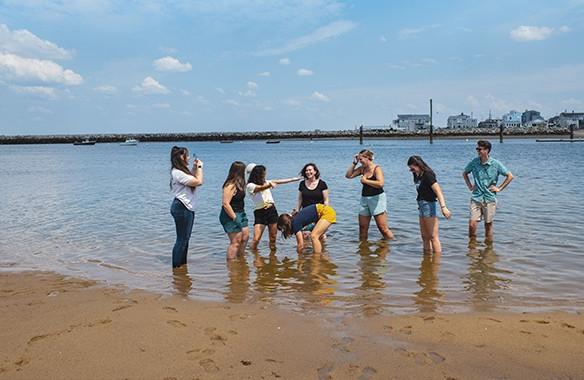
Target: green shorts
[
  {"x": 231, "y": 226},
  {"x": 373, "y": 205}
]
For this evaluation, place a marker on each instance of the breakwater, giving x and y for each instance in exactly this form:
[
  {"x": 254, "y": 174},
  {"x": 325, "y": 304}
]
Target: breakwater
[{"x": 280, "y": 135}]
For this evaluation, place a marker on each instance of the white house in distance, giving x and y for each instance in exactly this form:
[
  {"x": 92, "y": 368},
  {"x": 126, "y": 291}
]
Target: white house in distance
[
  {"x": 461, "y": 121},
  {"x": 571, "y": 118},
  {"x": 412, "y": 122},
  {"x": 512, "y": 119}
]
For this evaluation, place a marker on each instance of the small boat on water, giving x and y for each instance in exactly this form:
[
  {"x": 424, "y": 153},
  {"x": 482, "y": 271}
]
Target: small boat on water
[
  {"x": 272, "y": 141},
  {"x": 226, "y": 141},
  {"x": 129, "y": 142},
  {"x": 85, "y": 142}
]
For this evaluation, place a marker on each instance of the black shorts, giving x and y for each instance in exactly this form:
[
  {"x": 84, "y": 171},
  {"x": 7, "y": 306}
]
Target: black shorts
[{"x": 266, "y": 216}]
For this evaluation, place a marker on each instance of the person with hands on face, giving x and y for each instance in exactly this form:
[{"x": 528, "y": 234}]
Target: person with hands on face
[
  {"x": 183, "y": 183},
  {"x": 429, "y": 192},
  {"x": 373, "y": 198},
  {"x": 232, "y": 216}
]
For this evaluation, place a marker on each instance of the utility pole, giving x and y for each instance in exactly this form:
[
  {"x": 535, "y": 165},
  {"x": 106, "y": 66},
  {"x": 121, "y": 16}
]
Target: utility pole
[
  {"x": 431, "y": 125},
  {"x": 361, "y": 134}
]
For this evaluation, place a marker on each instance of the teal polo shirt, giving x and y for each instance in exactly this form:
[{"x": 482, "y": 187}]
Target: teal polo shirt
[{"x": 484, "y": 176}]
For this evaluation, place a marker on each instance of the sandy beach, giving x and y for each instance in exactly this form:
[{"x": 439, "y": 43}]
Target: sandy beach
[{"x": 64, "y": 328}]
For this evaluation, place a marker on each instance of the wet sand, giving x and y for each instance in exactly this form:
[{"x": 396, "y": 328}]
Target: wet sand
[{"x": 64, "y": 328}]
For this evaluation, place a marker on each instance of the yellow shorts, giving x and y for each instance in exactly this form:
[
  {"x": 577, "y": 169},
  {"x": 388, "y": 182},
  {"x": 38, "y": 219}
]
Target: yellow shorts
[{"x": 327, "y": 213}]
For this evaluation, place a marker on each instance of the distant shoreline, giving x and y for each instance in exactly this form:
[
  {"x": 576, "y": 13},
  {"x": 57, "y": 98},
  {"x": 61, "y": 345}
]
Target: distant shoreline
[{"x": 285, "y": 135}]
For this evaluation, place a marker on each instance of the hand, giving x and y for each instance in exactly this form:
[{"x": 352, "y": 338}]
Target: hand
[
  {"x": 472, "y": 187},
  {"x": 355, "y": 159},
  {"x": 494, "y": 189},
  {"x": 363, "y": 179},
  {"x": 446, "y": 212},
  {"x": 273, "y": 185},
  {"x": 198, "y": 163}
]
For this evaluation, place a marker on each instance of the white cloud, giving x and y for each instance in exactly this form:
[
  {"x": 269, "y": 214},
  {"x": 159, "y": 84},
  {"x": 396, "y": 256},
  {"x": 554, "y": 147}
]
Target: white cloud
[
  {"x": 414, "y": 32},
  {"x": 24, "y": 43},
  {"x": 185, "y": 92},
  {"x": 202, "y": 100},
  {"x": 232, "y": 102},
  {"x": 40, "y": 110},
  {"x": 564, "y": 29},
  {"x": 525, "y": 33},
  {"x": 472, "y": 101},
  {"x": 293, "y": 103},
  {"x": 27, "y": 69},
  {"x": 161, "y": 105},
  {"x": 251, "y": 89},
  {"x": 220, "y": 90},
  {"x": 284, "y": 61},
  {"x": 106, "y": 89},
  {"x": 46, "y": 92},
  {"x": 319, "y": 96},
  {"x": 322, "y": 34},
  {"x": 382, "y": 39},
  {"x": 430, "y": 61},
  {"x": 252, "y": 85},
  {"x": 264, "y": 74},
  {"x": 150, "y": 86},
  {"x": 169, "y": 63},
  {"x": 304, "y": 72}
]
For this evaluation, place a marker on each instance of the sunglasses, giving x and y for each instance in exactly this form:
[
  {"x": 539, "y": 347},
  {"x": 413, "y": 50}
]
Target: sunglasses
[{"x": 479, "y": 149}]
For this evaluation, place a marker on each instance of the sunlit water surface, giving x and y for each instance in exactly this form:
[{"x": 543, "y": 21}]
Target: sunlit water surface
[{"x": 102, "y": 212}]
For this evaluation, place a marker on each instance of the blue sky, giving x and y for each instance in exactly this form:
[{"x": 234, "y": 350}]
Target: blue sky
[{"x": 101, "y": 66}]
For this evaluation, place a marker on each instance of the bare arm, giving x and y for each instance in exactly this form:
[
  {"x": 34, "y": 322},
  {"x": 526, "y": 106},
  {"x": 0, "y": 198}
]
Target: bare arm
[
  {"x": 353, "y": 171},
  {"x": 197, "y": 172},
  {"x": 228, "y": 192},
  {"x": 299, "y": 202},
  {"x": 377, "y": 183},
  {"x": 285, "y": 180},
  {"x": 299, "y": 242},
  {"x": 506, "y": 182},
  {"x": 263, "y": 187},
  {"x": 469, "y": 184},
  {"x": 325, "y": 196},
  {"x": 441, "y": 201}
]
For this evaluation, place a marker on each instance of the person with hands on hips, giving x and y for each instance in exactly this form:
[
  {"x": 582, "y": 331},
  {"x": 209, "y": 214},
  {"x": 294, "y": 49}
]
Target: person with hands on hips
[{"x": 232, "y": 216}]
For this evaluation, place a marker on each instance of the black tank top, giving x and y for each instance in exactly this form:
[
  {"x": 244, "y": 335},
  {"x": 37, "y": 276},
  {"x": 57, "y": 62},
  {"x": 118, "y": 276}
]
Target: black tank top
[
  {"x": 369, "y": 191},
  {"x": 237, "y": 201}
]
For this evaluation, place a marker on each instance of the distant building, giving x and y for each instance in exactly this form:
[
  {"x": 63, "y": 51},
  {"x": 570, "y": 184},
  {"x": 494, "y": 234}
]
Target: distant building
[
  {"x": 461, "y": 121},
  {"x": 512, "y": 119},
  {"x": 531, "y": 117},
  {"x": 571, "y": 118},
  {"x": 491, "y": 123},
  {"x": 411, "y": 122}
]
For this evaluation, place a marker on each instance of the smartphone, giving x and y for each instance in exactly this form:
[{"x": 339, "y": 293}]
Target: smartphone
[{"x": 194, "y": 157}]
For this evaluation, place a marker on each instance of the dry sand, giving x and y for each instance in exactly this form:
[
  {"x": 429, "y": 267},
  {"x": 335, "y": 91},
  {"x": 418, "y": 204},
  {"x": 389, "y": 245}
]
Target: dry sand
[{"x": 53, "y": 327}]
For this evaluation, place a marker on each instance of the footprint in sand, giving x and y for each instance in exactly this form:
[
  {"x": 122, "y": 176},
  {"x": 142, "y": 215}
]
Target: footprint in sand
[
  {"x": 324, "y": 372},
  {"x": 406, "y": 330},
  {"x": 436, "y": 357},
  {"x": 208, "y": 351},
  {"x": 170, "y": 309},
  {"x": 209, "y": 330},
  {"x": 209, "y": 365},
  {"x": 367, "y": 373},
  {"x": 343, "y": 344},
  {"x": 218, "y": 339},
  {"x": 121, "y": 307},
  {"x": 568, "y": 325},
  {"x": 176, "y": 323}
]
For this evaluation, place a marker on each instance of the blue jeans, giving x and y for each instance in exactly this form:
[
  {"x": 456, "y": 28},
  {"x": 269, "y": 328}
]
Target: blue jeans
[{"x": 183, "y": 220}]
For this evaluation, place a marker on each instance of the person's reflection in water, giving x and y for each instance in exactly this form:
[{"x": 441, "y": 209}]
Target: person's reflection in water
[
  {"x": 267, "y": 275},
  {"x": 181, "y": 281},
  {"x": 373, "y": 266},
  {"x": 238, "y": 284},
  {"x": 484, "y": 280},
  {"x": 428, "y": 297},
  {"x": 315, "y": 277}
]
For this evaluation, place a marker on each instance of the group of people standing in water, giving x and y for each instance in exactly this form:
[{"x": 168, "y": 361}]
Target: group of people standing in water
[{"x": 314, "y": 215}]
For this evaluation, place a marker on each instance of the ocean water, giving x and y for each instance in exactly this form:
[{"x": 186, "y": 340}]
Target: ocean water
[{"x": 102, "y": 212}]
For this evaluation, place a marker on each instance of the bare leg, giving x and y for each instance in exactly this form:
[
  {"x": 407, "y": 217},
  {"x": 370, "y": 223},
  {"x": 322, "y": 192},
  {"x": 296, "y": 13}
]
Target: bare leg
[
  {"x": 273, "y": 231},
  {"x": 364, "y": 226},
  {"x": 427, "y": 243},
  {"x": 489, "y": 233},
  {"x": 258, "y": 231},
  {"x": 430, "y": 227},
  {"x": 244, "y": 238},
  {"x": 472, "y": 229},
  {"x": 381, "y": 221},
  {"x": 318, "y": 230},
  {"x": 234, "y": 242}
]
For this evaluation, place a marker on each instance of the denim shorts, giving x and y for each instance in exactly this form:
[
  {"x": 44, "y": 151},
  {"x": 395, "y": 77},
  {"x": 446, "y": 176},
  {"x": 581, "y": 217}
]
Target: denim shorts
[
  {"x": 373, "y": 205},
  {"x": 231, "y": 226},
  {"x": 427, "y": 209}
]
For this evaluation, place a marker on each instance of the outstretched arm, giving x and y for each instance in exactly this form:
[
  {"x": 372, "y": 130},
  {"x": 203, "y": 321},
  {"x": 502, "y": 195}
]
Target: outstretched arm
[{"x": 285, "y": 180}]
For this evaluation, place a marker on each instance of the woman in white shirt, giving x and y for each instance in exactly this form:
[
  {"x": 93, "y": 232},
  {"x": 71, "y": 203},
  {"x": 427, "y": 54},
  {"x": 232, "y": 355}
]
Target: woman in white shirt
[
  {"x": 183, "y": 183},
  {"x": 265, "y": 213}
]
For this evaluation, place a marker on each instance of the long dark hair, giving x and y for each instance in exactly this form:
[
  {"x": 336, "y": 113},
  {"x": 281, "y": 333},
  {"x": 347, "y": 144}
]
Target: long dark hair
[
  {"x": 316, "y": 171},
  {"x": 257, "y": 175},
  {"x": 177, "y": 161},
  {"x": 236, "y": 175},
  {"x": 417, "y": 160},
  {"x": 285, "y": 225}
]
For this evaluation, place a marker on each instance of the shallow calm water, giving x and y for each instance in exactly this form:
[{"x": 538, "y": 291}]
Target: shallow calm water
[{"x": 102, "y": 212}]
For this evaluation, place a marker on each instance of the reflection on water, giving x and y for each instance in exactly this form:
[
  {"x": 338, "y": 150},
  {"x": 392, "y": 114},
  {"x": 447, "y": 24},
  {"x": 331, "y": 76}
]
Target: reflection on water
[
  {"x": 181, "y": 281},
  {"x": 428, "y": 297},
  {"x": 94, "y": 221},
  {"x": 485, "y": 281}
]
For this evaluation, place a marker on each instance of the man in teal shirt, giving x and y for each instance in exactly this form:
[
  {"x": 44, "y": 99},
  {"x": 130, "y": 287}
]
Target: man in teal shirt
[{"x": 483, "y": 203}]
